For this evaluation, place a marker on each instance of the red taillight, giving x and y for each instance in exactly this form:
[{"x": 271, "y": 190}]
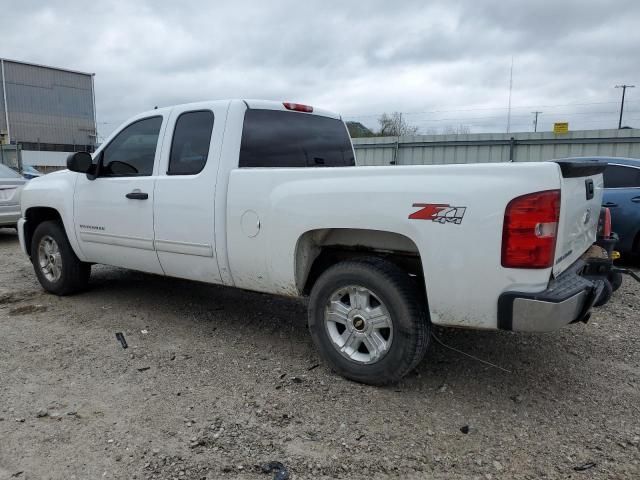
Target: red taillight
[
  {"x": 604, "y": 223},
  {"x": 530, "y": 228},
  {"x": 298, "y": 107}
]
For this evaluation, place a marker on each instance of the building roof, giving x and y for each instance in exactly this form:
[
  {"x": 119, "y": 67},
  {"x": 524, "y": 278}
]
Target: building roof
[{"x": 46, "y": 66}]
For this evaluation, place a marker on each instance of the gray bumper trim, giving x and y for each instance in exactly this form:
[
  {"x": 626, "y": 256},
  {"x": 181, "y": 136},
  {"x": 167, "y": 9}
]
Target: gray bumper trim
[
  {"x": 567, "y": 299},
  {"x": 531, "y": 315}
]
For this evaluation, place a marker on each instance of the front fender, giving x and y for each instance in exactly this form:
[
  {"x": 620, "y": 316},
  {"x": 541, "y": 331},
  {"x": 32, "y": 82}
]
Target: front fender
[{"x": 55, "y": 191}]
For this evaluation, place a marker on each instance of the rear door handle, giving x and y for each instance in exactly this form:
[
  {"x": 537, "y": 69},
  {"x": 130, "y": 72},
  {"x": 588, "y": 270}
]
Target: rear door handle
[
  {"x": 137, "y": 195},
  {"x": 609, "y": 204},
  {"x": 635, "y": 199}
]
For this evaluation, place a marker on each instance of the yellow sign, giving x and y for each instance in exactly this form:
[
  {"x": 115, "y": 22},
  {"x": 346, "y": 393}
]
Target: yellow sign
[{"x": 561, "y": 127}]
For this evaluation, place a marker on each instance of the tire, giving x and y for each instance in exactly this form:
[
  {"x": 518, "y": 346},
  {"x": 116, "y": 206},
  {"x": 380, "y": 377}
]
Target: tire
[
  {"x": 339, "y": 312},
  {"x": 606, "y": 294},
  {"x": 615, "y": 279},
  {"x": 64, "y": 274}
]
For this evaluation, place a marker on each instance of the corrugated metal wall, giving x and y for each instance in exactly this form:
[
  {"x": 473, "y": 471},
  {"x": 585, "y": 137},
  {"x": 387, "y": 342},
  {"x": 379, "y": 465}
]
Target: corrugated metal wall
[
  {"x": 47, "y": 105},
  {"x": 495, "y": 147}
]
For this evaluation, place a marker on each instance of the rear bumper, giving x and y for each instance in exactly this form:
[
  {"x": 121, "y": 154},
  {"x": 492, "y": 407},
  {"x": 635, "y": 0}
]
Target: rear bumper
[{"x": 568, "y": 299}]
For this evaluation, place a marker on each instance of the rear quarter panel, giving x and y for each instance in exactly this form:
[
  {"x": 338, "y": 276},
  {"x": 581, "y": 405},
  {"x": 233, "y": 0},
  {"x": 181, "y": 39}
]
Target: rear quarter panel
[{"x": 461, "y": 262}]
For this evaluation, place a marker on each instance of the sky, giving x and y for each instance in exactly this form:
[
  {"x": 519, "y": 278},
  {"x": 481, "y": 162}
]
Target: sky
[{"x": 444, "y": 64}]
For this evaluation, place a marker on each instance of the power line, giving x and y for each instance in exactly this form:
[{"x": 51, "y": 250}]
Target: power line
[
  {"x": 492, "y": 123},
  {"x": 362, "y": 115},
  {"x": 483, "y": 117}
]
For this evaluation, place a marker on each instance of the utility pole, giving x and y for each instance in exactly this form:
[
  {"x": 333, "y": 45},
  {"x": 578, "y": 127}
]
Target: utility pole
[
  {"x": 535, "y": 120},
  {"x": 624, "y": 89},
  {"x": 6, "y": 108},
  {"x": 398, "y": 132}
]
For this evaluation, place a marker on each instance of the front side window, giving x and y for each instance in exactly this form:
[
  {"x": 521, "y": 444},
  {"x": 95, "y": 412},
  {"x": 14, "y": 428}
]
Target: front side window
[
  {"x": 616, "y": 176},
  {"x": 190, "y": 145},
  {"x": 274, "y": 138},
  {"x": 133, "y": 150}
]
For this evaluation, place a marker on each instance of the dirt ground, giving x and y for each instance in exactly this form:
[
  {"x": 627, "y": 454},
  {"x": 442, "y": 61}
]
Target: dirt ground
[{"x": 217, "y": 381}]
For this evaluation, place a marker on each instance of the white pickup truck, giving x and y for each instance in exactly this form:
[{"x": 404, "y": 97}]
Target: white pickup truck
[{"x": 266, "y": 196}]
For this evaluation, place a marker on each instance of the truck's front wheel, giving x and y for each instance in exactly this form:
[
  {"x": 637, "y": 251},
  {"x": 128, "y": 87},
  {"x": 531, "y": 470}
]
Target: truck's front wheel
[
  {"x": 57, "y": 267},
  {"x": 368, "y": 320}
]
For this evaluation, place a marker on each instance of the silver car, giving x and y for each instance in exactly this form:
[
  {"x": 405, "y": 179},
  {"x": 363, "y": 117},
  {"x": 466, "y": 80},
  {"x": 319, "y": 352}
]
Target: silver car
[{"x": 10, "y": 186}]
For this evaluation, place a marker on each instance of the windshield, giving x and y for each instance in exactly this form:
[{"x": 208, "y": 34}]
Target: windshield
[{"x": 6, "y": 172}]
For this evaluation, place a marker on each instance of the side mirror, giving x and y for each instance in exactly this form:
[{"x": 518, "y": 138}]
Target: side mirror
[{"x": 79, "y": 162}]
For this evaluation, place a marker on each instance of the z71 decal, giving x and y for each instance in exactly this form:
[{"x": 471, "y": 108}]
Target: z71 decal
[{"x": 438, "y": 212}]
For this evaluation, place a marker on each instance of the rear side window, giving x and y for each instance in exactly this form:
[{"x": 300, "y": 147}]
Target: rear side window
[
  {"x": 190, "y": 145},
  {"x": 273, "y": 138},
  {"x": 133, "y": 150},
  {"x": 616, "y": 176}
]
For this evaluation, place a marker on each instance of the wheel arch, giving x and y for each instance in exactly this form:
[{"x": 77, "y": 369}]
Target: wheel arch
[
  {"x": 319, "y": 249},
  {"x": 35, "y": 216}
]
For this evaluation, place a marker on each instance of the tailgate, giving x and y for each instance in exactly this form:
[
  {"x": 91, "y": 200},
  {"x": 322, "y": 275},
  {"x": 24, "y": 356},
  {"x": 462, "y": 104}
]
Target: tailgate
[{"x": 580, "y": 201}]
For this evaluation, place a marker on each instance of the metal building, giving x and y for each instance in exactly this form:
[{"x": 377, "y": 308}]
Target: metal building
[{"x": 46, "y": 109}]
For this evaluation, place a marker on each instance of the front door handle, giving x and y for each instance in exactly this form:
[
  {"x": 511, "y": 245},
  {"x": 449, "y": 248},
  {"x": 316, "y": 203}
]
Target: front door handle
[
  {"x": 610, "y": 204},
  {"x": 635, "y": 199},
  {"x": 137, "y": 195}
]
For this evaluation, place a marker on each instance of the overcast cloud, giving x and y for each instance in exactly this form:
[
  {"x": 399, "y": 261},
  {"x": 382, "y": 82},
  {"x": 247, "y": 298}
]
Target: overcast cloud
[{"x": 450, "y": 58}]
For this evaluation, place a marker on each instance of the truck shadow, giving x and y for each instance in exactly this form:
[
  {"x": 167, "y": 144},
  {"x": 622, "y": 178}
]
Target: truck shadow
[
  {"x": 8, "y": 236},
  {"x": 535, "y": 363}
]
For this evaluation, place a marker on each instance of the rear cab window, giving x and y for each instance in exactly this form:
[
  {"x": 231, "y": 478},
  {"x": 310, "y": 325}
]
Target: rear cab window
[{"x": 275, "y": 138}]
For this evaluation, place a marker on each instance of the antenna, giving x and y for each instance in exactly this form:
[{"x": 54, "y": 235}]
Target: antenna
[{"x": 510, "y": 90}]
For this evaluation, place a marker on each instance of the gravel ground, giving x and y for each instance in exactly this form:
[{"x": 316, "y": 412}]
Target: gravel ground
[{"x": 217, "y": 381}]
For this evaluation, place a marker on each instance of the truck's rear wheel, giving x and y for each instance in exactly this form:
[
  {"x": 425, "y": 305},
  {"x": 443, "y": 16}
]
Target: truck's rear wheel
[
  {"x": 56, "y": 265},
  {"x": 368, "y": 320}
]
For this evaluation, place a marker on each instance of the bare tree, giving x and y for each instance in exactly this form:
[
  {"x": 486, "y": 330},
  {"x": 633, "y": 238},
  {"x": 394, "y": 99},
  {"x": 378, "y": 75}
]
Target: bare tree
[
  {"x": 393, "y": 125},
  {"x": 459, "y": 130},
  {"x": 358, "y": 130}
]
